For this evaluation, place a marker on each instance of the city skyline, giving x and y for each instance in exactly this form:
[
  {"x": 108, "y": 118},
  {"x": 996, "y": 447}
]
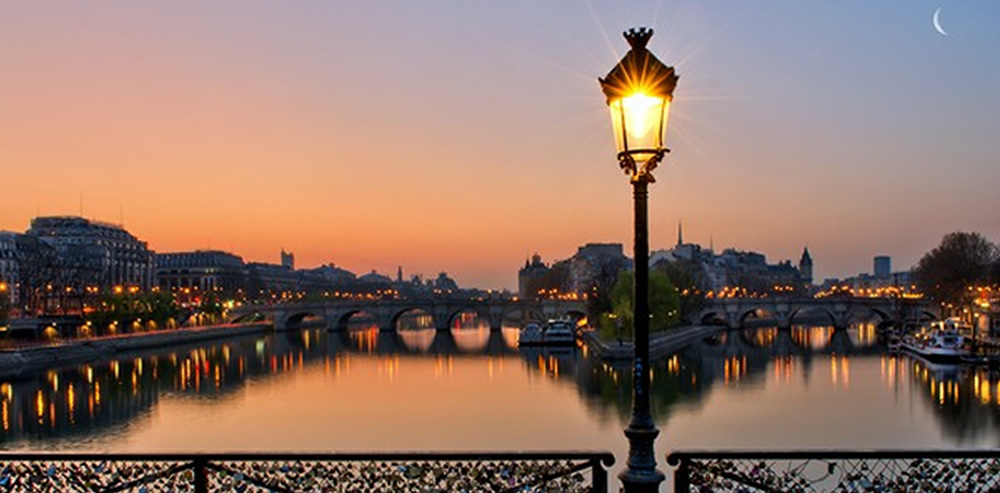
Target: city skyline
[
  {"x": 881, "y": 267},
  {"x": 855, "y": 133}
]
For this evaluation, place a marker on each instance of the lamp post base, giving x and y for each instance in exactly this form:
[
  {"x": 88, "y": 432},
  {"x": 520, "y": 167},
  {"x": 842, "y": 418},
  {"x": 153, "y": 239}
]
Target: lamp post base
[
  {"x": 640, "y": 474},
  {"x": 641, "y": 483}
]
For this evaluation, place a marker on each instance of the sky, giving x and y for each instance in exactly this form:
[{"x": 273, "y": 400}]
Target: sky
[{"x": 464, "y": 136}]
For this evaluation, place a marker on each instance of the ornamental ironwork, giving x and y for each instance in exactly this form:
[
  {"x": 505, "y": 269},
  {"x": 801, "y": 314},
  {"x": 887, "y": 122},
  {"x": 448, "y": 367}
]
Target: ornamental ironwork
[
  {"x": 837, "y": 471},
  {"x": 248, "y": 473}
]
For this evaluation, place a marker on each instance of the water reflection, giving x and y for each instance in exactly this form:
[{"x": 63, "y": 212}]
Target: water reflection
[
  {"x": 965, "y": 399},
  {"x": 81, "y": 400},
  {"x": 87, "y": 400}
]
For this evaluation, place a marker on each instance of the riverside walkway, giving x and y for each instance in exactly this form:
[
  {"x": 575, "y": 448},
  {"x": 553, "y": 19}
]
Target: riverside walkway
[
  {"x": 660, "y": 343},
  {"x": 20, "y": 360}
]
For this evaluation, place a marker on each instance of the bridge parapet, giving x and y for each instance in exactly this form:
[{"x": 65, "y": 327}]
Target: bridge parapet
[
  {"x": 841, "y": 311},
  {"x": 386, "y": 312}
]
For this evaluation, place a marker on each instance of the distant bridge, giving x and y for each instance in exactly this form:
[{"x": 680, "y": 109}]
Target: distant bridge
[
  {"x": 769, "y": 343},
  {"x": 336, "y": 314},
  {"x": 841, "y": 311}
]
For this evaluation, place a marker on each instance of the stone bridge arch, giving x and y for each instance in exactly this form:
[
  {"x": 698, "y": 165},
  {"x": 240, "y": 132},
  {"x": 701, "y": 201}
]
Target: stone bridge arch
[
  {"x": 757, "y": 312},
  {"x": 527, "y": 314},
  {"x": 713, "y": 317},
  {"x": 394, "y": 314},
  {"x": 797, "y": 313},
  {"x": 338, "y": 320},
  {"x": 292, "y": 318},
  {"x": 574, "y": 314},
  {"x": 454, "y": 312}
]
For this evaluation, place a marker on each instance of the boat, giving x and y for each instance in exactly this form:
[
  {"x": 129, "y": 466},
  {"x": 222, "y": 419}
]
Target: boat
[
  {"x": 530, "y": 335},
  {"x": 942, "y": 342},
  {"x": 555, "y": 333},
  {"x": 894, "y": 343}
]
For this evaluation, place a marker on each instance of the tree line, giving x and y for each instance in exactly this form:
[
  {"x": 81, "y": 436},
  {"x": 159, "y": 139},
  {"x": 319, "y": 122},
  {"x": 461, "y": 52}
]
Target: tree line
[{"x": 962, "y": 260}]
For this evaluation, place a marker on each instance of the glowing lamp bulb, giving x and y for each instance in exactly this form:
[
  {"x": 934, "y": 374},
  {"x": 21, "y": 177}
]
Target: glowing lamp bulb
[{"x": 639, "y": 121}]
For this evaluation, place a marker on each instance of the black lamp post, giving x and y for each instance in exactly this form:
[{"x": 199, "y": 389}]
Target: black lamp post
[{"x": 639, "y": 90}]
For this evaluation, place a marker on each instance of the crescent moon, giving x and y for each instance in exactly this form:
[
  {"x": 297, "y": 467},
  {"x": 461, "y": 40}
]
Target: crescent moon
[{"x": 937, "y": 22}]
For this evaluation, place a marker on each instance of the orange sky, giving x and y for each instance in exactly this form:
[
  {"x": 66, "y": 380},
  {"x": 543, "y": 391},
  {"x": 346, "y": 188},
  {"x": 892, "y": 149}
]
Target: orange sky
[{"x": 462, "y": 138}]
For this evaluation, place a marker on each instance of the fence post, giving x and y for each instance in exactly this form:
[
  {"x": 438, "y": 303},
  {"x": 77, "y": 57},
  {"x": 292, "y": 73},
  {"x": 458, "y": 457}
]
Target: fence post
[
  {"x": 200, "y": 475},
  {"x": 599, "y": 476},
  {"x": 682, "y": 476}
]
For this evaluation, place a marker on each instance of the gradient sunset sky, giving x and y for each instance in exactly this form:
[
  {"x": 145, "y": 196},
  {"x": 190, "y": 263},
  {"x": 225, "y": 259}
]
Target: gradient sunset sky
[{"x": 462, "y": 136}]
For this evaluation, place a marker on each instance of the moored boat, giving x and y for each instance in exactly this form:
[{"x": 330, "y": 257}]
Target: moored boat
[
  {"x": 555, "y": 333},
  {"x": 559, "y": 333},
  {"x": 530, "y": 335},
  {"x": 942, "y": 342},
  {"x": 894, "y": 343}
]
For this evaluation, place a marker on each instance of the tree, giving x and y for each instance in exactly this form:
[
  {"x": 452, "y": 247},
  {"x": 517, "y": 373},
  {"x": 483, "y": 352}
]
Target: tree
[
  {"x": 962, "y": 259},
  {"x": 211, "y": 305},
  {"x": 599, "y": 297},
  {"x": 121, "y": 310},
  {"x": 664, "y": 304},
  {"x": 686, "y": 276}
]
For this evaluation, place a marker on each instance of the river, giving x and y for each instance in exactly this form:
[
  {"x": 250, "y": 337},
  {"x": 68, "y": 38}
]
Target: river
[{"x": 472, "y": 389}]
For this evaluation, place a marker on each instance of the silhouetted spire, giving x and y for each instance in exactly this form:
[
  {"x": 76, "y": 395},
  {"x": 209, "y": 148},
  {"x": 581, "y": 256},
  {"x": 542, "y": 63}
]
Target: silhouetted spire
[{"x": 680, "y": 233}]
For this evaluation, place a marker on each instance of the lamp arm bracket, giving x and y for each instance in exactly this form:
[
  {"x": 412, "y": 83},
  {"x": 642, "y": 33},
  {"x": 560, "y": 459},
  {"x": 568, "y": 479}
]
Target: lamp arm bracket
[{"x": 645, "y": 172}]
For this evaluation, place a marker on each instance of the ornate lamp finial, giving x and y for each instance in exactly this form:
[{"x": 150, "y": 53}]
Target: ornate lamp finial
[{"x": 638, "y": 37}]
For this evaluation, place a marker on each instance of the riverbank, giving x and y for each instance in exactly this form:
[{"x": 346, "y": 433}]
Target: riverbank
[
  {"x": 660, "y": 343},
  {"x": 675, "y": 339},
  {"x": 15, "y": 362}
]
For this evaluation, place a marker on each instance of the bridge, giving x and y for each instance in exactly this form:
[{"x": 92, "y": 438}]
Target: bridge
[
  {"x": 386, "y": 312},
  {"x": 841, "y": 311}
]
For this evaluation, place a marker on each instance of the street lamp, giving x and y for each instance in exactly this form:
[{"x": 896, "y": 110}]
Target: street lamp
[{"x": 639, "y": 90}]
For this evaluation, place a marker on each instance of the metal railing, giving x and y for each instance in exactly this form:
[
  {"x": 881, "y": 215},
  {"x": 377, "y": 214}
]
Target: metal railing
[
  {"x": 837, "y": 470},
  {"x": 365, "y": 472}
]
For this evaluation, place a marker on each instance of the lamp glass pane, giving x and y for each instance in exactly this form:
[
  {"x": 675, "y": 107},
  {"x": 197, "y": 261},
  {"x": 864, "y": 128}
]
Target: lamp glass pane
[{"x": 638, "y": 122}]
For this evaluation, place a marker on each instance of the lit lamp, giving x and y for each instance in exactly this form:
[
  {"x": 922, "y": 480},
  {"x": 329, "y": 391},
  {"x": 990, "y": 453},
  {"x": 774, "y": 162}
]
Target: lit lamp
[{"x": 639, "y": 90}]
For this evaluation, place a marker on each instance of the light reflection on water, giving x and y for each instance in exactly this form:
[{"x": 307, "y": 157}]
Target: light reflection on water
[{"x": 471, "y": 388}]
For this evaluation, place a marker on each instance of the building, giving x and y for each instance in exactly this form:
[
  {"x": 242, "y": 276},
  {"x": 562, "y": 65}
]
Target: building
[
  {"x": 95, "y": 252},
  {"x": 271, "y": 281},
  {"x": 201, "y": 270},
  {"x": 445, "y": 284},
  {"x": 373, "y": 278},
  {"x": 529, "y": 276},
  {"x": 9, "y": 266},
  {"x": 334, "y": 276},
  {"x": 864, "y": 282},
  {"x": 806, "y": 268},
  {"x": 595, "y": 264},
  {"x": 882, "y": 267},
  {"x": 287, "y": 259},
  {"x": 736, "y": 268}
]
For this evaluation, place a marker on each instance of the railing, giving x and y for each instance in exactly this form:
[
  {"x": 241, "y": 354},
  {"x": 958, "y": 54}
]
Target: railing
[
  {"x": 841, "y": 471},
  {"x": 375, "y": 472}
]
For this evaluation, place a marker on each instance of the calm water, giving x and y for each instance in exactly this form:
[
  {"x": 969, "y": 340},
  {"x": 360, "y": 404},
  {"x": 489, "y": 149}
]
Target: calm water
[{"x": 471, "y": 389}]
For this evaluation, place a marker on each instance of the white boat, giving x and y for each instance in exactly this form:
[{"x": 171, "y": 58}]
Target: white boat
[
  {"x": 530, "y": 335},
  {"x": 942, "y": 342},
  {"x": 559, "y": 333},
  {"x": 555, "y": 333}
]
